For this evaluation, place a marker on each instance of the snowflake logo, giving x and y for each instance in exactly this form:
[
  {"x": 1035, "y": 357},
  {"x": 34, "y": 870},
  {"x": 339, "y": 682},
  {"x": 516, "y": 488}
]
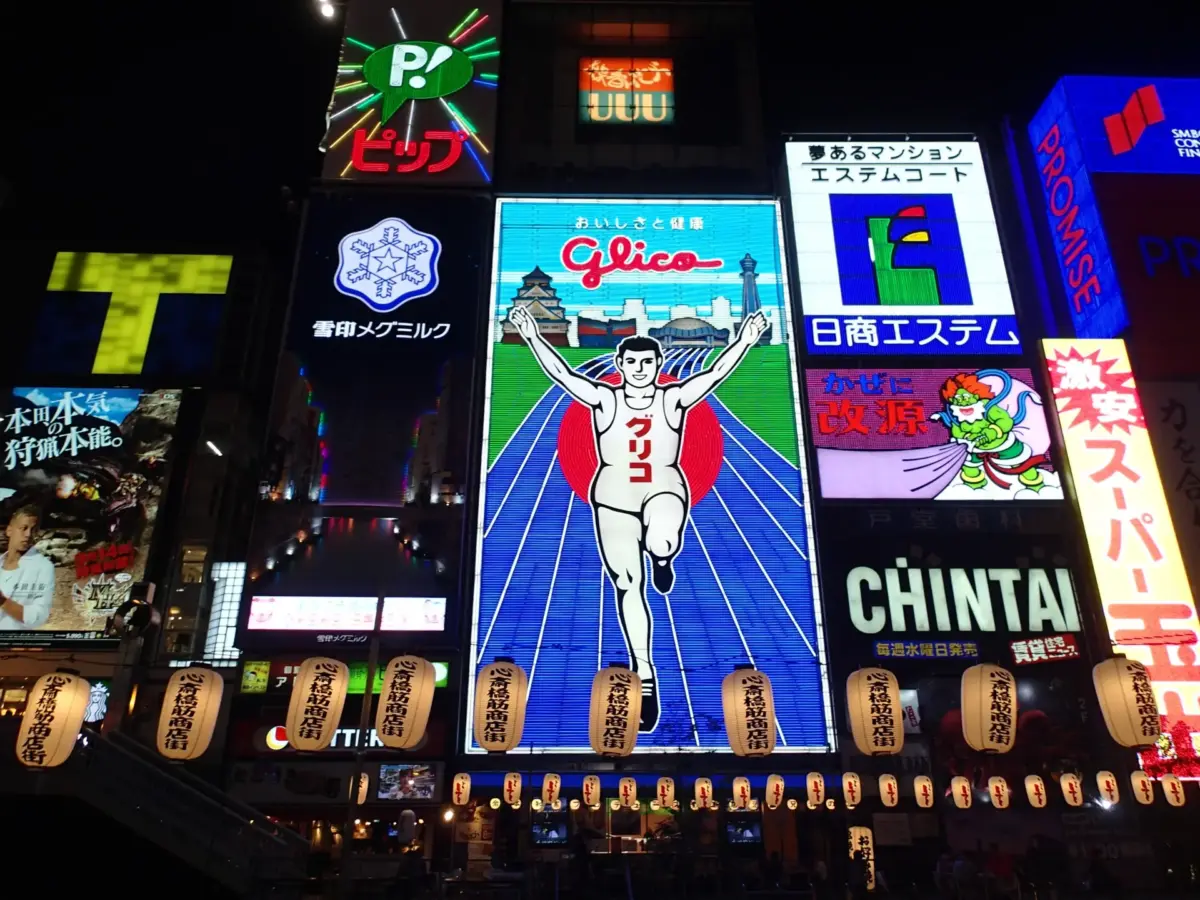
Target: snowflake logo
[{"x": 387, "y": 265}]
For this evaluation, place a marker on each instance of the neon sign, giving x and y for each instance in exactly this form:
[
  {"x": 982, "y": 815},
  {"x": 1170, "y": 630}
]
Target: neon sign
[{"x": 626, "y": 256}]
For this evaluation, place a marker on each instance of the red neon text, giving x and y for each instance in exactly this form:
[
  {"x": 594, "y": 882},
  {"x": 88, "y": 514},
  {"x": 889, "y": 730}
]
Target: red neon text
[
  {"x": 626, "y": 256},
  {"x": 1060, "y": 197}
]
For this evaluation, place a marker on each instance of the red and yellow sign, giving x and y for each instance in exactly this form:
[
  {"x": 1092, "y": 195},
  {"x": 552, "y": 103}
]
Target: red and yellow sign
[
  {"x": 624, "y": 89},
  {"x": 1144, "y": 590}
]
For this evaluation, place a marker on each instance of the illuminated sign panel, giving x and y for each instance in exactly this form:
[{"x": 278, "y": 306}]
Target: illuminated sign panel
[
  {"x": 346, "y": 614},
  {"x": 130, "y": 314},
  {"x": 415, "y": 97},
  {"x": 897, "y": 249},
  {"x": 276, "y": 676},
  {"x": 921, "y": 434},
  {"x": 1144, "y": 589},
  {"x": 626, "y": 90},
  {"x": 644, "y": 492},
  {"x": 82, "y": 477}
]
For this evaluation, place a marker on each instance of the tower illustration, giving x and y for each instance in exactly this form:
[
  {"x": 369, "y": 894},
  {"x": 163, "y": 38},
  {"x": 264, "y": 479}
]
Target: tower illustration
[{"x": 750, "y": 300}]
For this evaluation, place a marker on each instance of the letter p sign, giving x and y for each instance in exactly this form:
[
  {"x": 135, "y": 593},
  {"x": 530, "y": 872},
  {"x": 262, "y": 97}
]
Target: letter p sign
[{"x": 420, "y": 70}]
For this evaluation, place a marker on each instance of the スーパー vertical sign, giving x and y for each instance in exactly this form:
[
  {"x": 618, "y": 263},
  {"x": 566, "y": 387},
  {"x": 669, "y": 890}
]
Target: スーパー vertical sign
[
  {"x": 415, "y": 96},
  {"x": 644, "y": 486},
  {"x": 1144, "y": 589},
  {"x": 897, "y": 249}
]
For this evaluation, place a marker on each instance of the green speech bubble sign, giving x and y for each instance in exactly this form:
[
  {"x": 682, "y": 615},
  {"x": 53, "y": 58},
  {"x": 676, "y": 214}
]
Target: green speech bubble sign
[{"x": 420, "y": 70}]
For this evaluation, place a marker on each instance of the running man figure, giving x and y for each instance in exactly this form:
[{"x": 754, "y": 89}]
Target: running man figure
[{"x": 639, "y": 496}]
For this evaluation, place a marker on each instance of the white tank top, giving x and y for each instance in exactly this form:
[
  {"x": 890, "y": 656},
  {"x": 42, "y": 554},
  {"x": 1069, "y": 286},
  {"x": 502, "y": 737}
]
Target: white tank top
[{"x": 640, "y": 441}]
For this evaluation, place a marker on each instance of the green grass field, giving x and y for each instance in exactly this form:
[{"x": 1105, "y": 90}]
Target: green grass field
[{"x": 759, "y": 393}]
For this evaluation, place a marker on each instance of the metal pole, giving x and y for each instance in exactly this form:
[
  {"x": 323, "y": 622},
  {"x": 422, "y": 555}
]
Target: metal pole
[{"x": 360, "y": 746}]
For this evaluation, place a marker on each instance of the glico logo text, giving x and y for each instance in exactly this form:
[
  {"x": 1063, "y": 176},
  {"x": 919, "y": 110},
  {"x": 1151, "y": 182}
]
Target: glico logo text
[{"x": 1077, "y": 261}]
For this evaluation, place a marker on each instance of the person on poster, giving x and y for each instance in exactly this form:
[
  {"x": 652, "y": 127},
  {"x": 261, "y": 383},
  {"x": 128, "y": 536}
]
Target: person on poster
[
  {"x": 26, "y": 577},
  {"x": 639, "y": 496}
]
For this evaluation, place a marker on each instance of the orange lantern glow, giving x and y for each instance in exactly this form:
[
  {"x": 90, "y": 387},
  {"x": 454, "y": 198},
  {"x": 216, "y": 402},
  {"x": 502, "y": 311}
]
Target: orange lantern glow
[
  {"x": 664, "y": 792},
  {"x": 1106, "y": 784},
  {"x": 460, "y": 791},
  {"x": 923, "y": 791},
  {"x": 52, "y": 720},
  {"x": 1173, "y": 790},
  {"x": 1072, "y": 788},
  {"x": 1143, "y": 787},
  {"x": 862, "y": 840},
  {"x": 551, "y": 790},
  {"x": 311, "y": 725},
  {"x": 874, "y": 712},
  {"x": 512, "y": 789},
  {"x": 989, "y": 708},
  {"x": 851, "y": 789},
  {"x": 500, "y": 694},
  {"x": 960, "y": 789},
  {"x": 616, "y": 711},
  {"x": 189, "y": 712},
  {"x": 999, "y": 792},
  {"x": 703, "y": 794},
  {"x": 591, "y": 791},
  {"x": 815, "y": 783},
  {"x": 741, "y": 793},
  {"x": 627, "y": 790},
  {"x": 889, "y": 790},
  {"x": 775, "y": 789},
  {"x": 1035, "y": 791},
  {"x": 405, "y": 701},
  {"x": 749, "y": 708}
]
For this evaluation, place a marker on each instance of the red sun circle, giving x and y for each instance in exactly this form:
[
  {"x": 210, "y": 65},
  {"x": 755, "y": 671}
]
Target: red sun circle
[{"x": 700, "y": 457}]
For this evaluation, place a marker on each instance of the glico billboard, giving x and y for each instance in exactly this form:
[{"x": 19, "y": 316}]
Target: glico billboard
[
  {"x": 644, "y": 493},
  {"x": 1117, "y": 165}
]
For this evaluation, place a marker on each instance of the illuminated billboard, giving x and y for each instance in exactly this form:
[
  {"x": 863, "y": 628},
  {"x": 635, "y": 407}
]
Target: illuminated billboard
[
  {"x": 615, "y": 91},
  {"x": 415, "y": 96},
  {"x": 897, "y": 249},
  {"x": 922, "y": 434},
  {"x": 644, "y": 495},
  {"x": 83, "y": 476},
  {"x": 157, "y": 315},
  {"x": 346, "y": 614},
  {"x": 1140, "y": 574}
]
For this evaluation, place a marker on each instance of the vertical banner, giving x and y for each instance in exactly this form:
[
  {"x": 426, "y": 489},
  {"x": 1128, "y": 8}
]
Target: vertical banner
[
  {"x": 645, "y": 499},
  {"x": 1143, "y": 586},
  {"x": 1173, "y": 418},
  {"x": 415, "y": 96}
]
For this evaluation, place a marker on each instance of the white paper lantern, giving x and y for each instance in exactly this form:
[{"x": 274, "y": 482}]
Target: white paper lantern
[
  {"x": 703, "y": 793},
  {"x": 814, "y": 784},
  {"x": 318, "y": 695},
  {"x": 1035, "y": 791},
  {"x": 889, "y": 790},
  {"x": 511, "y": 791},
  {"x": 404, "y": 702},
  {"x": 851, "y": 789},
  {"x": 749, "y": 708},
  {"x": 874, "y": 711},
  {"x": 999, "y": 793},
  {"x": 551, "y": 789},
  {"x": 591, "y": 791},
  {"x": 460, "y": 791},
  {"x": 1173, "y": 790},
  {"x": 191, "y": 707},
  {"x": 863, "y": 841},
  {"x": 960, "y": 789},
  {"x": 775, "y": 789},
  {"x": 1143, "y": 787},
  {"x": 1106, "y": 784},
  {"x": 664, "y": 791},
  {"x": 53, "y": 717},
  {"x": 616, "y": 711},
  {"x": 989, "y": 708},
  {"x": 364, "y": 783},
  {"x": 627, "y": 792},
  {"x": 741, "y": 793},
  {"x": 1072, "y": 788},
  {"x": 501, "y": 691},
  {"x": 1127, "y": 702},
  {"x": 923, "y": 791}
]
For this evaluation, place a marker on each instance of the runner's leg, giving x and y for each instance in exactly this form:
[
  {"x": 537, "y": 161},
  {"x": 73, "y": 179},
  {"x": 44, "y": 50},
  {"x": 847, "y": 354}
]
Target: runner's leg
[{"x": 665, "y": 518}]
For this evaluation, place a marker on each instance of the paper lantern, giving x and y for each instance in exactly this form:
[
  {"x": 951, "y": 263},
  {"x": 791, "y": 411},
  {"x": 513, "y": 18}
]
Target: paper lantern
[
  {"x": 511, "y": 791},
  {"x": 741, "y": 793},
  {"x": 1127, "y": 702},
  {"x": 960, "y": 790},
  {"x": 1106, "y": 784},
  {"x": 53, "y": 717},
  {"x": 775, "y": 788},
  {"x": 1072, "y": 788},
  {"x": 551, "y": 789},
  {"x": 616, "y": 711},
  {"x": 664, "y": 792},
  {"x": 1035, "y": 791},
  {"x": 591, "y": 791},
  {"x": 460, "y": 790},
  {"x": 923, "y": 791},
  {"x": 500, "y": 694},
  {"x": 998, "y": 791},
  {"x": 989, "y": 708},
  {"x": 404, "y": 702},
  {"x": 851, "y": 789},
  {"x": 1143, "y": 787},
  {"x": 318, "y": 695},
  {"x": 873, "y": 708},
  {"x": 703, "y": 793},
  {"x": 749, "y": 708},
  {"x": 1173, "y": 790},
  {"x": 889, "y": 790},
  {"x": 814, "y": 782},
  {"x": 863, "y": 841},
  {"x": 191, "y": 706},
  {"x": 627, "y": 792},
  {"x": 360, "y": 796}
]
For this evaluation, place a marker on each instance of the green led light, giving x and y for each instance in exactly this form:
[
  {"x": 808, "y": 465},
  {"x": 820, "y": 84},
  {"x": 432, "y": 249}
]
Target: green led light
[
  {"x": 368, "y": 101},
  {"x": 352, "y": 86},
  {"x": 478, "y": 56},
  {"x": 358, "y": 43},
  {"x": 463, "y": 24},
  {"x": 487, "y": 76},
  {"x": 479, "y": 46},
  {"x": 463, "y": 120}
]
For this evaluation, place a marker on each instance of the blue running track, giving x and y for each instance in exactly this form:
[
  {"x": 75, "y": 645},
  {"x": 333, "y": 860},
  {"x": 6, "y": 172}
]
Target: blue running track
[{"x": 743, "y": 591}]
